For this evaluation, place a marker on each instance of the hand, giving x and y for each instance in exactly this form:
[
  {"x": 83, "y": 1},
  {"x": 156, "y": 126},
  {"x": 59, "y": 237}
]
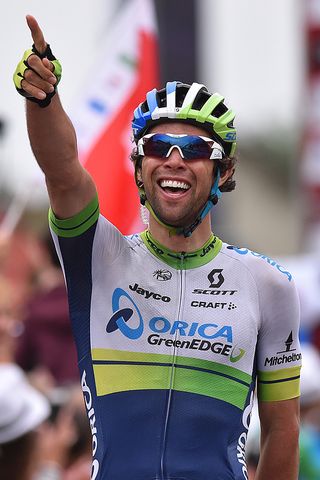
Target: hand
[
  {"x": 7, "y": 339},
  {"x": 56, "y": 439},
  {"x": 38, "y": 80}
]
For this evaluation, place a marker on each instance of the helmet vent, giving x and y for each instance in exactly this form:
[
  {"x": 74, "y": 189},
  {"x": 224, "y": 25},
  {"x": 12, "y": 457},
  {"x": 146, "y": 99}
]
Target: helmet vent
[{"x": 219, "y": 110}]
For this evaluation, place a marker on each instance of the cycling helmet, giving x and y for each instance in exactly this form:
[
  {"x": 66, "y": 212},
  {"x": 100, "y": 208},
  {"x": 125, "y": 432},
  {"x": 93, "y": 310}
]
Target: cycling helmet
[{"x": 187, "y": 103}]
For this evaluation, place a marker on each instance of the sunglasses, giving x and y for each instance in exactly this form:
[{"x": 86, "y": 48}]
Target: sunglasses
[{"x": 191, "y": 147}]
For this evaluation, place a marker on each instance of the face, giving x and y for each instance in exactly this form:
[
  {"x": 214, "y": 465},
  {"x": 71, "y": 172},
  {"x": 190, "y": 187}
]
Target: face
[{"x": 177, "y": 206}]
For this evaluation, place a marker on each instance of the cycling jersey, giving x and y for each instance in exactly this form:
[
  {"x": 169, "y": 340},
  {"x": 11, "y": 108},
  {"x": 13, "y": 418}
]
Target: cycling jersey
[{"x": 170, "y": 346}]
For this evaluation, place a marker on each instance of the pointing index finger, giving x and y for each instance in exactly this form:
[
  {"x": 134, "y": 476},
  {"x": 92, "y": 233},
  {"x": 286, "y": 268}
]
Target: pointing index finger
[{"x": 36, "y": 33}]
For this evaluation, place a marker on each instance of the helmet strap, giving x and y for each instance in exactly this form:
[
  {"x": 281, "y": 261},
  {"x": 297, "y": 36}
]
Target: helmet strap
[{"x": 214, "y": 196}]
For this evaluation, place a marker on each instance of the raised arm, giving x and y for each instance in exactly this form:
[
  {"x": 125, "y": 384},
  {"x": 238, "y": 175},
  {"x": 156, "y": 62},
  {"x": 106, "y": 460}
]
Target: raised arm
[{"x": 52, "y": 136}]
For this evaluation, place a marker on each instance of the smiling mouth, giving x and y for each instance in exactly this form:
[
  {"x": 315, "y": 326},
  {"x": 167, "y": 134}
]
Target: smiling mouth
[{"x": 174, "y": 186}]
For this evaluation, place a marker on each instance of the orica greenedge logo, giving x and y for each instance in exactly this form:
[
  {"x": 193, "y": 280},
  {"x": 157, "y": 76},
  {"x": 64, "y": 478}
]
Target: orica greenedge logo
[{"x": 210, "y": 336}]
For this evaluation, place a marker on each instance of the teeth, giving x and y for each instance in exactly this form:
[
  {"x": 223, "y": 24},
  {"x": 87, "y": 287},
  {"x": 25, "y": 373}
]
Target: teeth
[{"x": 174, "y": 184}]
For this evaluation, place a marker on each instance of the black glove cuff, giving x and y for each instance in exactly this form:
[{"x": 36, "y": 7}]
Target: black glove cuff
[
  {"x": 47, "y": 53},
  {"x": 42, "y": 103}
]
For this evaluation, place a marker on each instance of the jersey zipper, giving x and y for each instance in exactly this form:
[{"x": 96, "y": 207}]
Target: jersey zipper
[{"x": 182, "y": 274}]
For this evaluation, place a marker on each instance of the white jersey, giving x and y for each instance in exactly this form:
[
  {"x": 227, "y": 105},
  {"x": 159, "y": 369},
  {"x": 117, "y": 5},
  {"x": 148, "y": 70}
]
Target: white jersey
[{"x": 170, "y": 348}]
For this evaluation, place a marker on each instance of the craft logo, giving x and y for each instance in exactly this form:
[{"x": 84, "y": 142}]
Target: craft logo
[
  {"x": 231, "y": 306},
  {"x": 162, "y": 275},
  {"x": 221, "y": 305},
  {"x": 216, "y": 278}
]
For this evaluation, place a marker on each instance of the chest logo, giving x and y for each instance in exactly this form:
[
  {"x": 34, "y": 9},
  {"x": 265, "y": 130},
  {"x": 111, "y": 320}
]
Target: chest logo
[
  {"x": 288, "y": 343},
  {"x": 162, "y": 275},
  {"x": 216, "y": 278},
  {"x": 180, "y": 334},
  {"x": 148, "y": 293}
]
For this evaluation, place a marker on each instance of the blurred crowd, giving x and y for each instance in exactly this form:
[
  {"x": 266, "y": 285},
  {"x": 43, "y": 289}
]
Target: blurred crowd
[{"x": 44, "y": 430}]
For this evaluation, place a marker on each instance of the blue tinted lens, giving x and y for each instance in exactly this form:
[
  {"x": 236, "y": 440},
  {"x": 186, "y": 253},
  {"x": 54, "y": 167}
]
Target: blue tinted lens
[
  {"x": 157, "y": 146},
  {"x": 192, "y": 146}
]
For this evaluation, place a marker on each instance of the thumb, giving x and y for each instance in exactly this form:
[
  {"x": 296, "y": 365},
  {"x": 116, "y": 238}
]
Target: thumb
[{"x": 36, "y": 33}]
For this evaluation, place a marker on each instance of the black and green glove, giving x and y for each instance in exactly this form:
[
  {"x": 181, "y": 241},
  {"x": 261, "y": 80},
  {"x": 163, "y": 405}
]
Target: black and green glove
[{"x": 23, "y": 65}]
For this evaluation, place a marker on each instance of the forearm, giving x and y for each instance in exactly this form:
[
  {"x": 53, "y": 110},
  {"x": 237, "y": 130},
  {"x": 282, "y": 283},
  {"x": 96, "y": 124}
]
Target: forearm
[
  {"x": 53, "y": 140},
  {"x": 51, "y": 133},
  {"x": 279, "y": 457}
]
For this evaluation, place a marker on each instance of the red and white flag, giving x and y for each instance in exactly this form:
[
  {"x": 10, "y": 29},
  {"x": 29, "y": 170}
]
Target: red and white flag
[{"x": 126, "y": 70}]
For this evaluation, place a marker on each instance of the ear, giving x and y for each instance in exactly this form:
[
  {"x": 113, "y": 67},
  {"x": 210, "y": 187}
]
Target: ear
[
  {"x": 227, "y": 174},
  {"x": 138, "y": 177}
]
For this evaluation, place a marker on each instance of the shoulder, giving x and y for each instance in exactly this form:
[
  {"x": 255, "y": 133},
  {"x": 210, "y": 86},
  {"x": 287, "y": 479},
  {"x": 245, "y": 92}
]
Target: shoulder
[
  {"x": 274, "y": 283},
  {"x": 260, "y": 265}
]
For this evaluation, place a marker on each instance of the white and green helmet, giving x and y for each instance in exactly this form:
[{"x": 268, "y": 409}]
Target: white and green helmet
[{"x": 191, "y": 104}]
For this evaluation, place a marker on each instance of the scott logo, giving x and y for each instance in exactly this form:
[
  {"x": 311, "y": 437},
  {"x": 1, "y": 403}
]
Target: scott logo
[
  {"x": 216, "y": 278},
  {"x": 230, "y": 137}
]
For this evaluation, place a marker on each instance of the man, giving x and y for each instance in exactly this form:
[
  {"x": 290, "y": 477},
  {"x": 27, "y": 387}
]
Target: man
[{"x": 172, "y": 326}]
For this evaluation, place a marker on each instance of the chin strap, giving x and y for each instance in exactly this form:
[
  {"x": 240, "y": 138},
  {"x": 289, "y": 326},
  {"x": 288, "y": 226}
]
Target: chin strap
[{"x": 214, "y": 196}]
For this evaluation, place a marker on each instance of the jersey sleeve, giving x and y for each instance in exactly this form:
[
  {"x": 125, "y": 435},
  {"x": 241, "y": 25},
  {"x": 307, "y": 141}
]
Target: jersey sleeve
[
  {"x": 88, "y": 224},
  {"x": 278, "y": 349}
]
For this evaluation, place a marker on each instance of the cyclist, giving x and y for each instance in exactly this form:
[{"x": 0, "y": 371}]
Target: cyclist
[{"x": 173, "y": 327}]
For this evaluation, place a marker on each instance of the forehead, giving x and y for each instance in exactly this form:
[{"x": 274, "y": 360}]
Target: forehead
[{"x": 178, "y": 128}]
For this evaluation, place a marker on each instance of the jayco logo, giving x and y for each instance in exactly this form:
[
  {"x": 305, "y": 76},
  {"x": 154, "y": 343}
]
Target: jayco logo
[
  {"x": 148, "y": 293},
  {"x": 216, "y": 278}
]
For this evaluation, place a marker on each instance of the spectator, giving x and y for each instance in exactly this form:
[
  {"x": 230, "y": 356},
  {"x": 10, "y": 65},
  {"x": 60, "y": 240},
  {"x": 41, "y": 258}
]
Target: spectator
[
  {"x": 22, "y": 410},
  {"x": 46, "y": 347}
]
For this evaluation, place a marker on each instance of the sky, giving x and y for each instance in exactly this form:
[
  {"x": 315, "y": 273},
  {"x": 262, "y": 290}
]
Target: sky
[{"x": 252, "y": 52}]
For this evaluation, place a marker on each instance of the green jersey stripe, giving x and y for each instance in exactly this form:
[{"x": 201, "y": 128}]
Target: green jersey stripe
[
  {"x": 108, "y": 355},
  {"x": 271, "y": 392},
  {"x": 272, "y": 376},
  {"x": 115, "y": 378},
  {"x": 74, "y": 226},
  {"x": 183, "y": 260}
]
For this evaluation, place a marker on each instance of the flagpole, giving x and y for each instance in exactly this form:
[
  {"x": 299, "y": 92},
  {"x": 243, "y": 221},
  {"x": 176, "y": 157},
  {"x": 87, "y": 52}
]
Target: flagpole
[{"x": 13, "y": 214}]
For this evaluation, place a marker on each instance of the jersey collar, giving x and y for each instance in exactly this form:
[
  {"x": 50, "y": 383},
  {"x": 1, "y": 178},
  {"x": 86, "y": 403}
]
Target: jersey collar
[{"x": 183, "y": 260}]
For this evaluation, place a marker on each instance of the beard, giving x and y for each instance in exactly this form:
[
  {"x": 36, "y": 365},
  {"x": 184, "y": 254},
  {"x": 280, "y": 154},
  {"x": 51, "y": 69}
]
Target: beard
[{"x": 180, "y": 214}]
